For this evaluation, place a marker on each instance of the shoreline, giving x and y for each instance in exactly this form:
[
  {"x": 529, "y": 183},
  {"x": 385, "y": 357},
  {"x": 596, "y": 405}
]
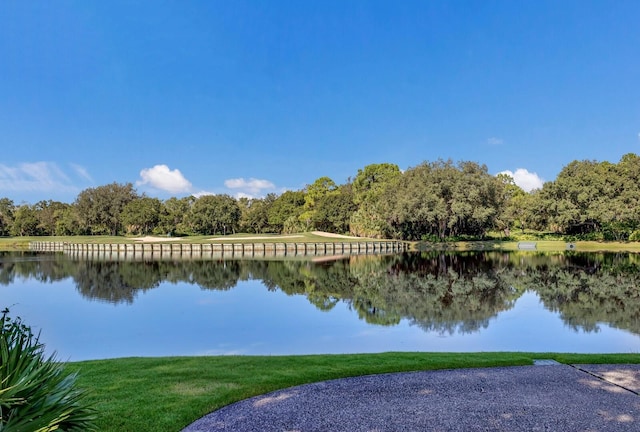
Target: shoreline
[{"x": 22, "y": 243}]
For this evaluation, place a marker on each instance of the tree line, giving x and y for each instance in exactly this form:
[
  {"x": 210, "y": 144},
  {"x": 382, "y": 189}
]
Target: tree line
[{"x": 434, "y": 201}]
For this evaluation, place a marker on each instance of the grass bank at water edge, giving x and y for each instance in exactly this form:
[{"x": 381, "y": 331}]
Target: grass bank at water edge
[{"x": 166, "y": 394}]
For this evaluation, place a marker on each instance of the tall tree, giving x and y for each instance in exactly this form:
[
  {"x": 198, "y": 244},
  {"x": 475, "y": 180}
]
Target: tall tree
[
  {"x": 509, "y": 212},
  {"x": 213, "y": 214},
  {"x": 255, "y": 214},
  {"x": 6, "y": 216},
  {"x": 142, "y": 215},
  {"x": 334, "y": 210},
  {"x": 371, "y": 183},
  {"x": 68, "y": 222},
  {"x": 286, "y": 209},
  {"x": 312, "y": 195},
  {"x": 579, "y": 198},
  {"x": 441, "y": 199},
  {"x": 49, "y": 212},
  {"x": 173, "y": 215},
  {"x": 100, "y": 208},
  {"x": 25, "y": 222}
]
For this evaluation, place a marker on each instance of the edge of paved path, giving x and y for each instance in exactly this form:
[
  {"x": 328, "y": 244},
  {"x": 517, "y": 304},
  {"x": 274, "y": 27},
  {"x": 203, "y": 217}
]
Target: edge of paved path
[{"x": 518, "y": 398}]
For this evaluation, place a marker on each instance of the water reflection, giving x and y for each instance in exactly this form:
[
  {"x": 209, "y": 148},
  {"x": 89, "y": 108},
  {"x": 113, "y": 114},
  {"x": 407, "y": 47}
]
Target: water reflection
[
  {"x": 589, "y": 289},
  {"x": 443, "y": 292}
]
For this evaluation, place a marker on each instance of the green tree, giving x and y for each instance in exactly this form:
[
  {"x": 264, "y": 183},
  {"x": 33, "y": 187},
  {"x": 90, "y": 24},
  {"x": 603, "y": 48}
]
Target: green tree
[
  {"x": 6, "y": 216},
  {"x": 229, "y": 218},
  {"x": 312, "y": 195},
  {"x": 100, "y": 208},
  {"x": 441, "y": 199},
  {"x": 287, "y": 206},
  {"x": 213, "y": 214},
  {"x": 620, "y": 210},
  {"x": 511, "y": 211},
  {"x": 25, "y": 221},
  {"x": 173, "y": 215},
  {"x": 576, "y": 190},
  {"x": 593, "y": 198},
  {"x": 68, "y": 222},
  {"x": 521, "y": 210},
  {"x": 255, "y": 214},
  {"x": 142, "y": 215},
  {"x": 372, "y": 181},
  {"x": 334, "y": 210},
  {"x": 369, "y": 186},
  {"x": 244, "y": 203},
  {"x": 48, "y": 213},
  {"x": 369, "y": 220}
]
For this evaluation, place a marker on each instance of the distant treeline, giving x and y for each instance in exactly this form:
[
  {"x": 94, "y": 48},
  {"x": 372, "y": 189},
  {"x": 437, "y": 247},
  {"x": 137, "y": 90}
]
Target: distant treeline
[{"x": 433, "y": 201}]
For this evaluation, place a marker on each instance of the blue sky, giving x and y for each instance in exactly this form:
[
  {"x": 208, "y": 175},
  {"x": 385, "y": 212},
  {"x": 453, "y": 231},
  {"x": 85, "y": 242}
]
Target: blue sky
[{"x": 251, "y": 97}]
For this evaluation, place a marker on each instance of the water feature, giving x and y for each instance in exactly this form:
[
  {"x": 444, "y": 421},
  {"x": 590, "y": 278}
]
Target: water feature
[{"x": 482, "y": 301}]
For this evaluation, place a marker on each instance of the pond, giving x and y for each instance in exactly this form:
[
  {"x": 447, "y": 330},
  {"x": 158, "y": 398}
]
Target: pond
[{"x": 89, "y": 308}]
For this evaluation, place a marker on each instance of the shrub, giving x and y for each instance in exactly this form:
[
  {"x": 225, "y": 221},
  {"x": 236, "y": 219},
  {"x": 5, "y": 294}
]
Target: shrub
[{"x": 35, "y": 393}]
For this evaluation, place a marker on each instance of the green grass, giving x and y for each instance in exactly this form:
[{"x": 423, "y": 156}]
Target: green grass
[{"x": 152, "y": 394}]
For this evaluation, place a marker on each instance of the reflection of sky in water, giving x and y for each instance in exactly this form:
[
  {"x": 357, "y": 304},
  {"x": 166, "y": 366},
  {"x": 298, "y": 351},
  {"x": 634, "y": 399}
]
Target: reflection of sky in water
[{"x": 182, "y": 319}]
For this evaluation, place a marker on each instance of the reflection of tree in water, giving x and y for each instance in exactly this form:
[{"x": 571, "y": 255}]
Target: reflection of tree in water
[
  {"x": 444, "y": 292},
  {"x": 118, "y": 281},
  {"x": 593, "y": 288},
  {"x": 324, "y": 283},
  {"x": 121, "y": 281},
  {"x": 440, "y": 291},
  {"x": 115, "y": 282},
  {"x": 220, "y": 275},
  {"x": 43, "y": 268}
]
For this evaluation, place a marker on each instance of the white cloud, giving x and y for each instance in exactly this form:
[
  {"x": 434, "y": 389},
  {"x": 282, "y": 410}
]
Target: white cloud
[
  {"x": 34, "y": 177},
  {"x": 495, "y": 141},
  {"x": 202, "y": 193},
  {"x": 249, "y": 188},
  {"x": 161, "y": 177},
  {"x": 243, "y": 195},
  {"x": 82, "y": 172},
  {"x": 528, "y": 181}
]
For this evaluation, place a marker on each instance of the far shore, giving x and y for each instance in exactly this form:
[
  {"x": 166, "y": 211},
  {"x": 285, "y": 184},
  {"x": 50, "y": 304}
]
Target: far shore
[{"x": 22, "y": 243}]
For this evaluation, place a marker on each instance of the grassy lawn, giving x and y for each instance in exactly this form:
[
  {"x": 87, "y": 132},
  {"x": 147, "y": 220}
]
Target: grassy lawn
[{"x": 166, "y": 394}]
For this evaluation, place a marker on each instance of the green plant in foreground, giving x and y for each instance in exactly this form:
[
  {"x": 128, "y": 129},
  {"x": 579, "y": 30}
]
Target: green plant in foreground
[{"x": 36, "y": 395}]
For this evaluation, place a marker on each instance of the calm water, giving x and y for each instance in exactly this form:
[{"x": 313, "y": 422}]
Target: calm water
[{"x": 525, "y": 301}]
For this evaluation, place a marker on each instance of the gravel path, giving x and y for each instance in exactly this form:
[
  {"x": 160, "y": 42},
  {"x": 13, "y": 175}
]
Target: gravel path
[{"x": 526, "y": 398}]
